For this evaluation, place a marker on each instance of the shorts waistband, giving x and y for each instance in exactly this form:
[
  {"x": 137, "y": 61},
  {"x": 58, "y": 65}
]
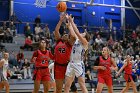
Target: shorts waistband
[
  {"x": 56, "y": 63},
  {"x": 41, "y": 67},
  {"x": 127, "y": 74}
]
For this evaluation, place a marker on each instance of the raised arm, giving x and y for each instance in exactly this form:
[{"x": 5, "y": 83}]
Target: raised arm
[
  {"x": 83, "y": 40},
  {"x": 56, "y": 32},
  {"x": 71, "y": 32}
]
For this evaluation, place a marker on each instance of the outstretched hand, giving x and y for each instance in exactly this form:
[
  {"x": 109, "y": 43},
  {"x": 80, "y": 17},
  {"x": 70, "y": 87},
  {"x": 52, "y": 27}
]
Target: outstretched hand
[
  {"x": 70, "y": 18},
  {"x": 62, "y": 17}
]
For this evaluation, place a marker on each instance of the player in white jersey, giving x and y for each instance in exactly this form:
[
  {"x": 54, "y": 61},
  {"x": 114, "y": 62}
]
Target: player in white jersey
[
  {"x": 76, "y": 65},
  {"x": 3, "y": 72},
  {"x": 51, "y": 69}
]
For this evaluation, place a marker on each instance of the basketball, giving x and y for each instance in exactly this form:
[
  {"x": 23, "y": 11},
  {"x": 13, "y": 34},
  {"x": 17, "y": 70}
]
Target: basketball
[{"x": 61, "y": 6}]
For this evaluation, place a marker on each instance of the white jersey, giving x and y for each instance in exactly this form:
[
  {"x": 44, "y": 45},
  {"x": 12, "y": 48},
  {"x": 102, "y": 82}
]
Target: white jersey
[
  {"x": 4, "y": 69},
  {"x": 51, "y": 68},
  {"x": 78, "y": 51},
  {"x": 76, "y": 66}
]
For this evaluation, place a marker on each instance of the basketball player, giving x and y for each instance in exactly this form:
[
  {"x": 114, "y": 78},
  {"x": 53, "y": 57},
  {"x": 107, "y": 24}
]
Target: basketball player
[
  {"x": 3, "y": 72},
  {"x": 104, "y": 64},
  {"x": 128, "y": 75},
  {"x": 41, "y": 73},
  {"x": 62, "y": 53},
  {"x": 76, "y": 66},
  {"x": 52, "y": 85}
]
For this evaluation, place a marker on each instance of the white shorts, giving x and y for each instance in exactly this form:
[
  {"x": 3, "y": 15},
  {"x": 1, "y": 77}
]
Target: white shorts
[{"x": 75, "y": 69}]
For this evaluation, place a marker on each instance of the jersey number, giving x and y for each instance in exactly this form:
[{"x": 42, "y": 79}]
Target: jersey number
[{"x": 62, "y": 50}]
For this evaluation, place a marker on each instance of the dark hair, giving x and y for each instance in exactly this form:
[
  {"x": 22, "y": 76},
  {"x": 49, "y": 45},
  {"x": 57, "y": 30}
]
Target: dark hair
[{"x": 87, "y": 36}]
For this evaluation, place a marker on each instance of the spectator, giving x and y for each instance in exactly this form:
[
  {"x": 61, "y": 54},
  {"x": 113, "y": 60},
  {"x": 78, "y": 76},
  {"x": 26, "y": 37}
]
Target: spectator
[
  {"x": 2, "y": 34},
  {"x": 26, "y": 27},
  {"x": 98, "y": 40},
  {"x": 46, "y": 31},
  {"x": 28, "y": 43},
  {"x": 89, "y": 79},
  {"x": 8, "y": 36},
  {"x": 134, "y": 35},
  {"x": 13, "y": 29},
  {"x": 119, "y": 62},
  {"x": 26, "y": 69},
  {"x": 130, "y": 50},
  {"x": 4, "y": 27},
  {"x": 12, "y": 60},
  {"x": 37, "y": 20},
  {"x": 124, "y": 43},
  {"x": 110, "y": 41},
  {"x": 20, "y": 58},
  {"x": 37, "y": 31}
]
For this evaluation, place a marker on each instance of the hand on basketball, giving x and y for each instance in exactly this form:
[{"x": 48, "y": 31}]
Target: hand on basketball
[
  {"x": 62, "y": 17},
  {"x": 102, "y": 68}
]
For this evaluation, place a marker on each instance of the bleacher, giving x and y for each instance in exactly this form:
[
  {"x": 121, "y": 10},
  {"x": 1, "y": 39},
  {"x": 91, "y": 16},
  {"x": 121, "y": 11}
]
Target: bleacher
[{"x": 26, "y": 86}]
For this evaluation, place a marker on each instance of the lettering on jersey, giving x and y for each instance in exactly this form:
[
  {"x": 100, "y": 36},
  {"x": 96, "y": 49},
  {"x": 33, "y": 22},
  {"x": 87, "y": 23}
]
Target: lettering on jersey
[
  {"x": 44, "y": 57},
  {"x": 104, "y": 64},
  {"x": 44, "y": 61},
  {"x": 62, "y": 50}
]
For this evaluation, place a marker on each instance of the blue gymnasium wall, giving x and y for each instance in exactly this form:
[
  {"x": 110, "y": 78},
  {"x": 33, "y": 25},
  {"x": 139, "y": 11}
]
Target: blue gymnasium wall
[
  {"x": 4, "y": 10},
  {"x": 83, "y": 15},
  {"x": 131, "y": 17}
]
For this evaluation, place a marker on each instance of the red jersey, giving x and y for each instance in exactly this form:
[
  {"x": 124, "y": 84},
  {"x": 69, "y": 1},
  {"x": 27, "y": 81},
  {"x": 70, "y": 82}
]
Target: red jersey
[
  {"x": 128, "y": 68},
  {"x": 42, "y": 58},
  {"x": 62, "y": 52},
  {"x": 106, "y": 63}
]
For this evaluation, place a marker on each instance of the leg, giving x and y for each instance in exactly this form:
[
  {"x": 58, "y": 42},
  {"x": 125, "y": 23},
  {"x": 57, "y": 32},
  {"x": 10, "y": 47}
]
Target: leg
[
  {"x": 110, "y": 89},
  {"x": 6, "y": 84},
  {"x": 68, "y": 82},
  {"x": 126, "y": 88},
  {"x": 81, "y": 82},
  {"x": 29, "y": 72},
  {"x": 53, "y": 85},
  {"x": 73, "y": 87},
  {"x": 25, "y": 73},
  {"x": 1, "y": 86},
  {"x": 100, "y": 87},
  {"x": 46, "y": 85},
  {"x": 36, "y": 86},
  {"x": 59, "y": 85},
  {"x": 133, "y": 86}
]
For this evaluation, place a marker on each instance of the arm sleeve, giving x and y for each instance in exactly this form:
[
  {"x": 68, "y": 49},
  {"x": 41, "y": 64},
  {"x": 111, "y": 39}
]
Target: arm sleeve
[{"x": 96, "y": 63}]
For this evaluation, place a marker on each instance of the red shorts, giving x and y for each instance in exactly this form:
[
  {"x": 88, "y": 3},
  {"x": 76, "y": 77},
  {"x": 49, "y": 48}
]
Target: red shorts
[
  {"x": 107, "y": 79},
  {"x": 59, "y": 71},
  {"x": 128, "y": 77},
  {"x": 41, "y": 74}
]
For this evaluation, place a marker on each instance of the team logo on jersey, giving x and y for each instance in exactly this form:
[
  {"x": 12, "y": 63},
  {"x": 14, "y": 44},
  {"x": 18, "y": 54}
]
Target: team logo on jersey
[{"x": 44, "y": 61}]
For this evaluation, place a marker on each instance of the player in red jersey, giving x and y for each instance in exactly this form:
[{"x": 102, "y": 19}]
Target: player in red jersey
[
  {"x": 41, "y": 72},
  {"x": 104, "y": 64},
  {"x": 62, "y": 53},
  {"x": 128, "y": 75}
]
